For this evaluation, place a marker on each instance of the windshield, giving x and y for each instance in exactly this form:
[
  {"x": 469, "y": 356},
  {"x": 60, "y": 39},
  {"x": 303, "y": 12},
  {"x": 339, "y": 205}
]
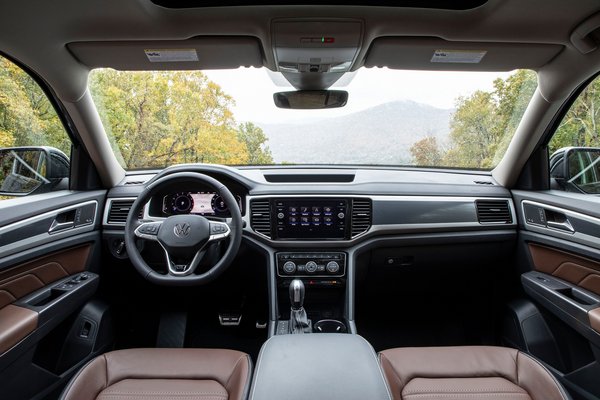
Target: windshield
[{"x": 393, "y": 117}]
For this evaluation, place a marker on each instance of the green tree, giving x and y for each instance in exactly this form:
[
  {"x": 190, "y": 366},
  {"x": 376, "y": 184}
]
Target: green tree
[
  {"x": 484, "y": 122},
  {"x": 160, "y": 118},
  {"x": 426, "y": 152},
  {"x": 472, "y": 134},
  {"x": 27, "y": 118},
  {"x": 255, "y": 140},
  {"x": 580, "y": 125}
]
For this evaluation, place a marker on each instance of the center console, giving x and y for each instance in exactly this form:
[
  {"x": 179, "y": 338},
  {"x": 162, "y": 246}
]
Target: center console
[
  {"x": 322, "y": 276},
  {"x": 334, "y": 366},
  {"x": 313, "y": 226}
]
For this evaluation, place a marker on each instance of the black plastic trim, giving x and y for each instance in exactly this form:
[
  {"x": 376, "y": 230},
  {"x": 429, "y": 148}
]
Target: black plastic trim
[
  {"x": 550, "y": 293},
  {"x": 313, "y": 178},
  {"x": 456, "y": 5}
]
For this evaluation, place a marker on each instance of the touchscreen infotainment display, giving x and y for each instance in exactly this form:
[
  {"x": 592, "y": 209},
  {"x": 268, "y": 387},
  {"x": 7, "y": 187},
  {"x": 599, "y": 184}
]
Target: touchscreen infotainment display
[{"x": 311, "y": 219}]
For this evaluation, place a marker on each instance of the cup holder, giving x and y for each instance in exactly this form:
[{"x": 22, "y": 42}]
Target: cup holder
[{"x": 329, "y": 326}]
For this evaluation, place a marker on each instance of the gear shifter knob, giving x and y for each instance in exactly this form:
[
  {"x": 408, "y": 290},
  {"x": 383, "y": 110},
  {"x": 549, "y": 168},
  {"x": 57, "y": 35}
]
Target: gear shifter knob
[{"x": 297, "y": 294}]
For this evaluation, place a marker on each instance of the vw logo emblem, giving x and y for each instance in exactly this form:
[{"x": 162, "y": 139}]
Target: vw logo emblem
[{"x": 182, "y": 230}]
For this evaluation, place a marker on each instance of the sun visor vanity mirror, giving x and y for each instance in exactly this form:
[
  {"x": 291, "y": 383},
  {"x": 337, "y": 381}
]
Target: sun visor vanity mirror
[{"x": 311, "y": 54}]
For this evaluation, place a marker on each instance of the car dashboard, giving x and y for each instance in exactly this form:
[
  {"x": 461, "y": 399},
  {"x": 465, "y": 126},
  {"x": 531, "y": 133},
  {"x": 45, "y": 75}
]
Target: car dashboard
[{"x": 315, "y": 224}]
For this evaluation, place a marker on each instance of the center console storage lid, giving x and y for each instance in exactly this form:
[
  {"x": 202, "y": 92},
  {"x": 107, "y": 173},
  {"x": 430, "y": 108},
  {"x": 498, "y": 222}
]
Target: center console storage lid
[{"x": 318, "y": 366}]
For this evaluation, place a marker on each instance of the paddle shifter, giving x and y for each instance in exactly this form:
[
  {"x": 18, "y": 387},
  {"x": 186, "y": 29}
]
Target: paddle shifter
[{"x": 298, "y": 319}]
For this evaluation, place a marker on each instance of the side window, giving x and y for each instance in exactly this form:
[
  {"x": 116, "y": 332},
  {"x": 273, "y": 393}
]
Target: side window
[
  {"x": 575, "y": 146},
  {"x": 34, "y": 146}
]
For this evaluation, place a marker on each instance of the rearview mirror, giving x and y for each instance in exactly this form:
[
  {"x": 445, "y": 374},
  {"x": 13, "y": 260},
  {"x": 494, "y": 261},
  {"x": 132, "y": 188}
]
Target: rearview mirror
[
  {"x": 31, "y": 170},
  {"x": 311, "y": 99},
  {"x": 577, "y": 169}
]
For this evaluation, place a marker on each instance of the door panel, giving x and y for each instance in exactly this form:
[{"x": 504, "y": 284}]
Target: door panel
[
  {"x": 559, "y": 238},
  {"x": 49, "y": 262}
]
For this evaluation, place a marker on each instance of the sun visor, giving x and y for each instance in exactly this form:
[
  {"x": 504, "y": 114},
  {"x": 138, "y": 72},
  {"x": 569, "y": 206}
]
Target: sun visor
[
  {"x": 438, "y": 54},
  {"x": 190, "y": 54}
]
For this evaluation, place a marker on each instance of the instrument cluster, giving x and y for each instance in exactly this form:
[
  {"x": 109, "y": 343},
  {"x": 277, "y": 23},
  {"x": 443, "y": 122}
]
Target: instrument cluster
[{"x": 199, "y": 203}]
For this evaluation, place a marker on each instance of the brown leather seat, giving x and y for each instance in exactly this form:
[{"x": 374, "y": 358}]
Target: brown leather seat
[
  {"x": 478, "y": 372},
  {"x": 160, "y": 374}
]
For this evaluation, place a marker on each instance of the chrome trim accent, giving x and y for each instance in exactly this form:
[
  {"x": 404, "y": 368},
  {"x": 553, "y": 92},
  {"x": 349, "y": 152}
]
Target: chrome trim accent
[
  {"x": 137, "y": 232},
  {"x": 219, "y": 236},
  {"x": 190, "y": 268},
  {"x": 565, "y": 211},
  {"x": 48, "y": 214}
]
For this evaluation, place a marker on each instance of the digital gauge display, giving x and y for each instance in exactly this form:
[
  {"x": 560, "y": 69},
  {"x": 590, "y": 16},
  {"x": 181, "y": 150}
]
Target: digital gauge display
[{"x": 201, "y": 203}]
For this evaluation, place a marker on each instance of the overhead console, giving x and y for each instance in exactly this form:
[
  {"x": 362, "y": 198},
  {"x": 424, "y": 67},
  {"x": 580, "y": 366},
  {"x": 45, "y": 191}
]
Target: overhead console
[{"x": 314, "y": 54}]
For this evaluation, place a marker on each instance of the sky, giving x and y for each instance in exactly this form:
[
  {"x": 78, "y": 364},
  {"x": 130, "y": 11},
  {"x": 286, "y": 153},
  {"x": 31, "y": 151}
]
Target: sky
[{"x": 253, "y": 88}]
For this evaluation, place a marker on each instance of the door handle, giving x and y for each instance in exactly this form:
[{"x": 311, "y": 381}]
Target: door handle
[
  {"x": 59, "y": 226},
  {"x": 558, "y": 220},
  {"x": 63, "y": 221},
  {"x": 564, "y": 226}
]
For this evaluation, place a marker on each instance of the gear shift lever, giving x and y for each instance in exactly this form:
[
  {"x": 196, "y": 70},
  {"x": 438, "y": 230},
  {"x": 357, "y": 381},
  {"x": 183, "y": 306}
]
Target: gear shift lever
[
  {"x": 297, "y": 294},
  {"x": 298, "y": 319}
]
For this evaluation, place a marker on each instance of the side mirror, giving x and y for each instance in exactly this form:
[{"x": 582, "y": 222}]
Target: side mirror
[
  {"x": 577, "y": 169},
  {"x": 311, "y": 99},
  {"x": 31, "y": 170}
]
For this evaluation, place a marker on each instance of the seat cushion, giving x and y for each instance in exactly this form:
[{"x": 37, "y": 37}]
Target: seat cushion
[
  {"x": 162, "y": 389},
  {"x": 473, "y": 372},
  {"x": 185, "y": 374},
  {"x": 463, "y": 388}
]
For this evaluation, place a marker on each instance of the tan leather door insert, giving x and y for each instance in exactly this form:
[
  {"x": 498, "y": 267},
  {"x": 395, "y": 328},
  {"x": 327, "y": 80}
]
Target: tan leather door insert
[
  {"x": 15, "y": 323},
  {"x": 577, "y": 270},
  {"x": 19, "y": 281}
]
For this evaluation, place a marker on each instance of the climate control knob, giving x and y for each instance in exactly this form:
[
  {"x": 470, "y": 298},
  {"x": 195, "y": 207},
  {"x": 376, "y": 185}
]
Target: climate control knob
[
  {"x": 333, "y": 267},
  {"x": 311, "y": 267},
  {"x": 289, "y": 267}
]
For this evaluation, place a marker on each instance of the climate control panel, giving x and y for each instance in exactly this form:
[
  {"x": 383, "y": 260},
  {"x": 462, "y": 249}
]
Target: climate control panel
[{"x": 311, "y": 264}]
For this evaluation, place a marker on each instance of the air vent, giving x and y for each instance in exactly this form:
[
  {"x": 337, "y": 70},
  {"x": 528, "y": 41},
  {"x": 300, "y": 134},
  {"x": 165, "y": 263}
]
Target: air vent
[
  {"x": 119, "y": 209},
  {"x": 493, "y": 212},
  {"x": 134, "y": 182},
  {"x": 361, "y": 216},
  {"x": 260, "y": 217},
  {"x": 483, "y": 182}
]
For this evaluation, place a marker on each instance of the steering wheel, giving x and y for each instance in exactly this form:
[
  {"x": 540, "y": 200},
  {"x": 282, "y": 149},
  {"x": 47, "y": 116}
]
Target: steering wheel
[{"x": 184, "y": 238}]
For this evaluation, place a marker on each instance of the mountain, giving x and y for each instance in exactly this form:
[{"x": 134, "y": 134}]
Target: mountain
[{"x": 379, "y": 135}]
